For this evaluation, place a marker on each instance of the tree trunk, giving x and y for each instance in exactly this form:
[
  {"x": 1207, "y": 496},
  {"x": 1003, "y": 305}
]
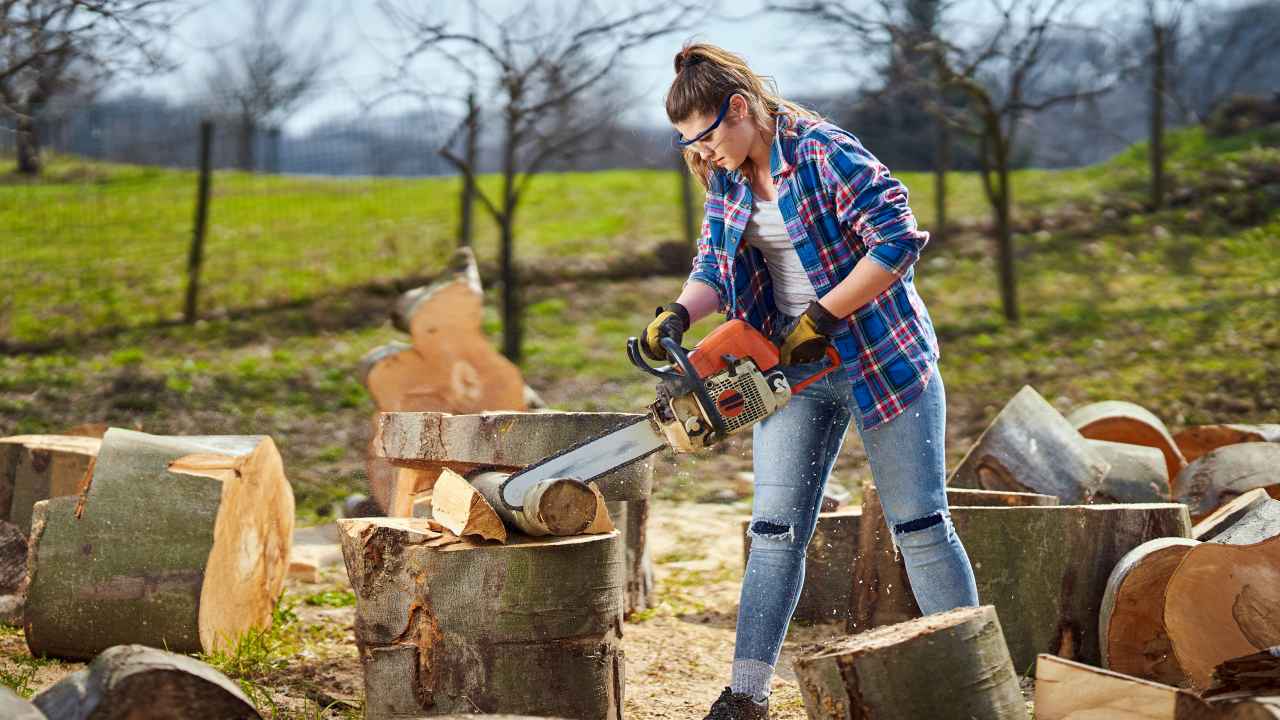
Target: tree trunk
[
  {"x": 179, "y": 542},
  {"x": 632, "y": 519},
  {"x": 531, "y": 627},
  {"x": 1159, "y": 54},
  {"x": 247, "y": 127},
  {"x": 467, "y": 201},
  {"x": 947, "y": 666},
  {"x": 27, "y": 138},
  {"x": 1126, "y": 422},
  {"x": 1131, "y": 634},
  {"x": 829, "y": 575},
  {"x": 512, "y": 307},
  {"x": 942, "y": 164},
  {"x": 1004, "y": 235},
  {"x": 143, "y": 683}
]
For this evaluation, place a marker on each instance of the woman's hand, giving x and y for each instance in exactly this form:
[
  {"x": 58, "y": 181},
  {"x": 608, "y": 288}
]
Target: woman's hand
[
  {"x": 671, "y": 321},
  {"x": 808, "y": 336}
]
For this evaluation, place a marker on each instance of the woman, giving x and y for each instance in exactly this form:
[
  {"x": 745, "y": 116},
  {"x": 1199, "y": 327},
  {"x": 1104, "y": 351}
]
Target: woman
[{"x": 809, "y": 239}]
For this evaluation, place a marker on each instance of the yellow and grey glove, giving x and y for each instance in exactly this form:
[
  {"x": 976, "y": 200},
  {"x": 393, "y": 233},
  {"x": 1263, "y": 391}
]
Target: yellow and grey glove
[
  {"x": 671, "y": 321},
  {"x": 808, "y": 336}
]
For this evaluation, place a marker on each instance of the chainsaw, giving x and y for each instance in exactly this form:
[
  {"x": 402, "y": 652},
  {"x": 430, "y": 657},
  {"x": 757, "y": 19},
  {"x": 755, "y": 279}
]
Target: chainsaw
[{"x": 729, "y": 382}]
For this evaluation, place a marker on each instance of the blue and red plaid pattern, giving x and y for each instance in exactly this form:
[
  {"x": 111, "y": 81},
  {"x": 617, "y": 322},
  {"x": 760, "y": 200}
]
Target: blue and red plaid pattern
[{"x": 840, "y": 204}]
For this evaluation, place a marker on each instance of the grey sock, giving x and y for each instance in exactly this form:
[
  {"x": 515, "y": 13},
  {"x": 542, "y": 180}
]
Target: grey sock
[{"x": 752, "y": 678}]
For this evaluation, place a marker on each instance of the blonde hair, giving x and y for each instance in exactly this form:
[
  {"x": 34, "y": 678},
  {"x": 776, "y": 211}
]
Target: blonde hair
[{"x": 705, "y": 76}]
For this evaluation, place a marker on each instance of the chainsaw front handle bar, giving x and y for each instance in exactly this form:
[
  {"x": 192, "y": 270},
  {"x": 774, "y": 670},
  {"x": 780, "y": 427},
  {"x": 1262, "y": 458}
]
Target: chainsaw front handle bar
[{"x": 680, "y": 383}]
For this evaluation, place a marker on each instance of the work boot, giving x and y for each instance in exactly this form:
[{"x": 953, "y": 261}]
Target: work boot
[{"x": 737, "y": 706}]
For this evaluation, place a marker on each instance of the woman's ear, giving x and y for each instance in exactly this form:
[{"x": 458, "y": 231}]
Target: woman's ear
[{"x": 738, "y": 107}]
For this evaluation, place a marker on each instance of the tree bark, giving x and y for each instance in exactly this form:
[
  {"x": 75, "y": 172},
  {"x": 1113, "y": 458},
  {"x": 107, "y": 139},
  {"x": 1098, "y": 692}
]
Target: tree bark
[
  {"x": 27, "y": 139},
  {"x": 1158, "y": 69},
  {"x": 560, "y": 507},
  {"x": 247, "y": 127},
  {"x": 531, "y": 627},
  {"x": 947, "y": 666},
  {"x": 512, "y": 307},
  {"x": 1137, "y": 474},
  {"x": 466, "y": 203},
  {"x": 1126, "y": 422},
  {"x": 178, "y": 542},
  {"x": 632, "y": 519},
  {"x": 942, "y": 163},
  {"x": 1220, "y": 475}
]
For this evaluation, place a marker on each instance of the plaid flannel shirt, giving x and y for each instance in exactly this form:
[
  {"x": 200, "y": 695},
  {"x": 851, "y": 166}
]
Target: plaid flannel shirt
[{"x": 839, "y": 204}]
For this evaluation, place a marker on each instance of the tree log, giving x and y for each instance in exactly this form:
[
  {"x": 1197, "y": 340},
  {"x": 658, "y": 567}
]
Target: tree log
[
  {"x": 1219, "y": 475},
  {"x": 632, "y": 519},
  {"x": 558, "y": 506},
  {"x": 1223, "y": 600},
  {"x": 134, "y": 682},
  {"x": 1198, "y": 440},
  {"x": 1067, "y": 690},
  {"x": 1031, "y": 447},
  {"x": 180, "y": 542},
  {"x": 1045, "y": 568},
  {"x": 1220, "y": 520},
  {"x": 1131, "y": 632},
  {"x": 504, "y": 441},
  {"x": 881, "y": 593},
  {"x": 829, "y": 577},
  {"x": 532, "y": 627},
  {"x": 1138, "y": 473},
  {"x": 463, "y": 510},
  {"x": 1126, "y": 422},
  {"x": 38, "y": 467},
  {"x": 948, "y": 665}
]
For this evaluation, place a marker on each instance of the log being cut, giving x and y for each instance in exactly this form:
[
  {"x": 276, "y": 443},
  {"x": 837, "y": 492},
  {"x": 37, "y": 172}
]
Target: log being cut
[{"x": 178, "y": 542}]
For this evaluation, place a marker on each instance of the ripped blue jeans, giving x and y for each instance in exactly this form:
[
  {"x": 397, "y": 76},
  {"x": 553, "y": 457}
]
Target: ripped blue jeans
[{"x": 793, "y": 453}]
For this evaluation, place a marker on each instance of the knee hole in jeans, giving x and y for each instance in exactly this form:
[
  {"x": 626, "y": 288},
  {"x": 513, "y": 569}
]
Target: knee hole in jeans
[
  {"x": 768, "y": 530},
  {"x": 932, "y": 529}
]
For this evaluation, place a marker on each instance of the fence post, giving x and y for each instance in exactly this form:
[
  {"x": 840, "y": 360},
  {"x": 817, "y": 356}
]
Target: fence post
[{"x": 196, "y": 258}]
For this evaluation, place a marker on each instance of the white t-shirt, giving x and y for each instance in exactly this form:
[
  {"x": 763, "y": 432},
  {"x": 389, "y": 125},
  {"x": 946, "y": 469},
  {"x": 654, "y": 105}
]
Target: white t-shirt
[{"x": 766, "y": 231}]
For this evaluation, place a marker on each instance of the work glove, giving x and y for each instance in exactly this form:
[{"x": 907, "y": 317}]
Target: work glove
[
  {"x": 671, "y": 321},
  {"x": 806, "y": 339}
]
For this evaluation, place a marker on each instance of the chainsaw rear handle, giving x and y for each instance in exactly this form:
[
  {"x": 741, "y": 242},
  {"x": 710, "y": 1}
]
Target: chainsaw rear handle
[{"x": 680, "y": 383}]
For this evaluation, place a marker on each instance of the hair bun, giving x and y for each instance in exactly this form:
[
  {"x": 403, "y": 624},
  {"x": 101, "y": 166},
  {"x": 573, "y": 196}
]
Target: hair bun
[{"x": 687, "y": 60}]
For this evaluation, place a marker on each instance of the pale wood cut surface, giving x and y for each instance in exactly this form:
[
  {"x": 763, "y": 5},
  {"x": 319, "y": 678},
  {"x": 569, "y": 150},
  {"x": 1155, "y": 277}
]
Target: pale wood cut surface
[
  {"x": 463, "y": 510},
  {"x": 1067, "y": 690}
]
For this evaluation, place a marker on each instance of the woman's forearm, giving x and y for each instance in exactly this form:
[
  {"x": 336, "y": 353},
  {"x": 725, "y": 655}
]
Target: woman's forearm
[
  {"x": 867, "y": 280},
  {"x": 699, "y": 299}
]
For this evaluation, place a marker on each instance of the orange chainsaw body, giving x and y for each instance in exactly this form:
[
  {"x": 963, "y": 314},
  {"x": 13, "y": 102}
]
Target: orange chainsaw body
[{"x": 737, "y": 339}]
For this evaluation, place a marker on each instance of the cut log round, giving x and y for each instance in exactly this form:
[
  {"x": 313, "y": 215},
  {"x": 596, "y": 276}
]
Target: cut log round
[
  {"x": 1198, "y": 440},
  {"x": 1130, "y": 423},
  {"x": 13, "y": 707},
  {"x": 558, "y": 506},
  {"x": 182, "y": 542},
  {"x": 532, "y": 627},
  {"x": 463, "y": 509},
  {"x": 1067, "y": 690},
  {"x": 950, "y": 665},
  {"x": 1220, "y": 520},
  {"x": 1138, "y": 473},
  {"x": 1045, "y": 569},
  {"x": 1223, "y": 600},
  {"x": 1030, "y": 447},
  {"x": 829, "y": 575},
  {"x": 134, "y": 682},
  {"x": 504, "y": 441},
  {"x": 881, "y": 593},
  {"x": 1131, "y": 633},
  {"x": 1220, "y": 475},
  {"x": 38, "y": 467}
]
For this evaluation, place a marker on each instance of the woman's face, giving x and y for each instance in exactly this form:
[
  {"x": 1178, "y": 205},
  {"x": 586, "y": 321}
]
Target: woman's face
[{"x": 728, "y": 144}]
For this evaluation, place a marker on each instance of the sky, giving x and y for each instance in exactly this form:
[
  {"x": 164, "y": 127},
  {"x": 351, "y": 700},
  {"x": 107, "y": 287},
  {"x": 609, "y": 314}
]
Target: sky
[{"x": 370, "y": 48}]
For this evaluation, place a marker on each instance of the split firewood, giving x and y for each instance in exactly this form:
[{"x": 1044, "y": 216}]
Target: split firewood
[
  {"x": 1198, "y": 440},
  {"x": 1129, "y": 423},
  {"x": 1219, "y": 475},
  {"x": 531, "y": 613},
  {"x": 947, "y": 665},
  {"x": 38, "y": 467},
  {"x": 600, "y": 522},
  {"x": 1067, "y": 690},
  {"x": 558, "y": 506},
  {"x": 1257, "y": 674},
  {"x": 829, "y": 567},
  {"x": 880, "y": 592},
  {"x": 1223, "y": 600},
  {"x": 1229, "y": 514},
  {"x": 1030, "y": 447},
  {"x": 463, "y": 510},
  {"x": 1131, "y": 632},
  {"x": 178, "y": 542},
  {"x": 144, "y": 683},
  {"x": 1138, "y": 473},
  {"x": 1045, "y": 568}
]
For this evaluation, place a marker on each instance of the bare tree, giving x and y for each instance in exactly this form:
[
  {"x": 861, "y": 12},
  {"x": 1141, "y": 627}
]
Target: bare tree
[
  {"x": 51, "y": 47},
  {"x": 1007, "y": 66},
  {"x": 1230, "y": 47},
  {"x": 549, "y": 67},
  {"x": 269, "y": 72}
]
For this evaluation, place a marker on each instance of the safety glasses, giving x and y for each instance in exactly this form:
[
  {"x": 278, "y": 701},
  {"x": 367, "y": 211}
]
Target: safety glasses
[{"x": 681, "y": 143}]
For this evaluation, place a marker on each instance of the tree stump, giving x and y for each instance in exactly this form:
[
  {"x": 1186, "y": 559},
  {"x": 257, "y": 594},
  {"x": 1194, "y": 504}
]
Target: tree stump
[
  {"x": 532, "y": 627},
  {"x": 134, "y": 682},
  {"x": 1044, "y": 568},
  {"x": 1220, "y": 520},
  {"x": 1219, "y": 475},
  {"x": 1198, "y": 440},
  {"x": 38, "y": 467},
  {"x": 178, "y": 542},
  {"x": 1138, "y": 473},
  {"x": 1131, "y": 632},
  {"x": 1132, "y": 424},
  {"x": 1030, "y": 447},
  {"x": 829, "y": 578},
  {"x": 632, "y": 519},
  {"x": 881, "y": 592},
  {"x": 1223, "y": 600},
  {"x": 944, "y": 666},
  {"x": 1067, "y": 690}
]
